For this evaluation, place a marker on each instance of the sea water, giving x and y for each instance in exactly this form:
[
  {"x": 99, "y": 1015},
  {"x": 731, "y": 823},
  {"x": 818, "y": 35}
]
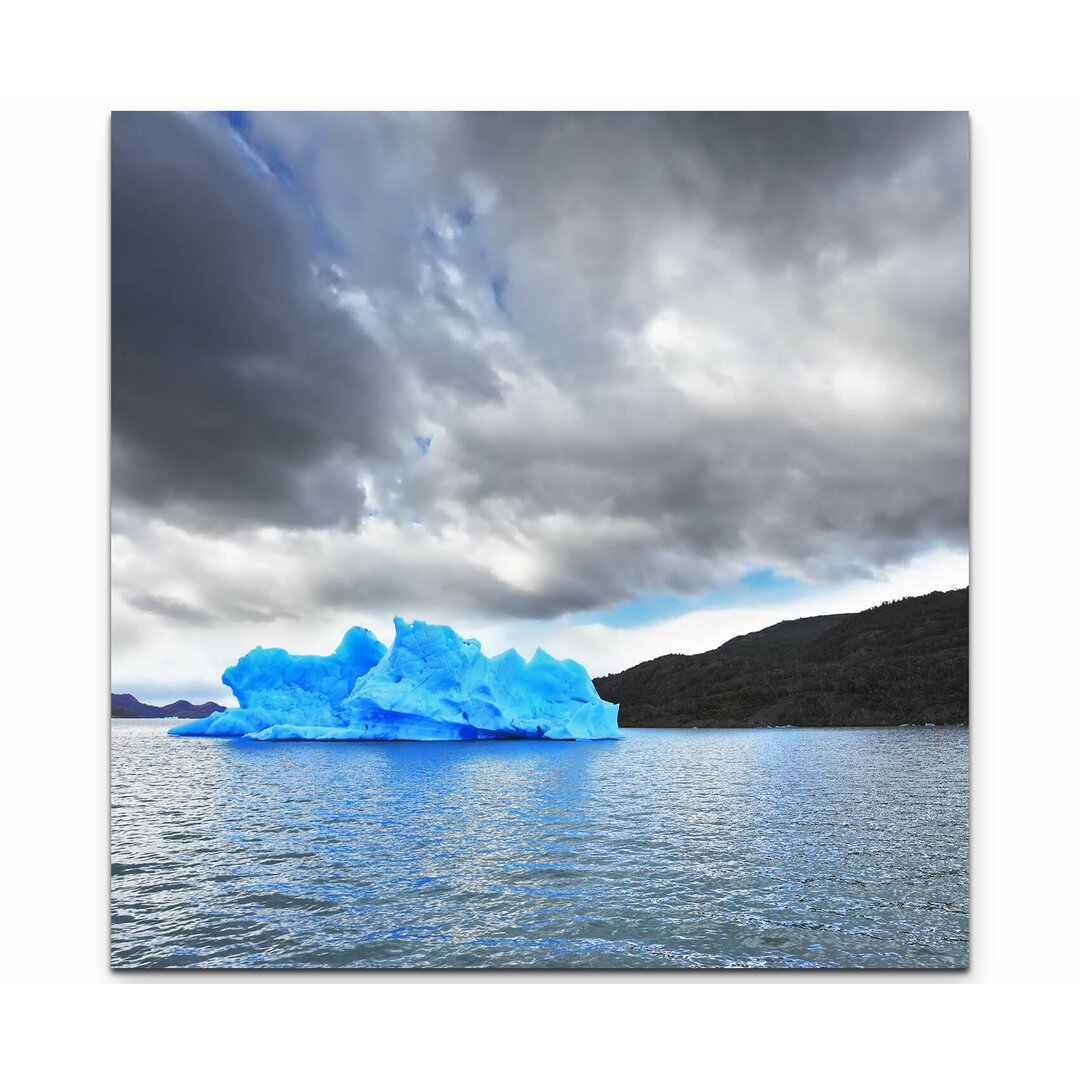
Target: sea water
[{"x": 776, "y": 848}]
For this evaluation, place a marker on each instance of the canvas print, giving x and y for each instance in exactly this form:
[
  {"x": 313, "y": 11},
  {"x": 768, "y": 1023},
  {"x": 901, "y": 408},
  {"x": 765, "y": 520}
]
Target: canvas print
[{"x": 539, "y": 540}]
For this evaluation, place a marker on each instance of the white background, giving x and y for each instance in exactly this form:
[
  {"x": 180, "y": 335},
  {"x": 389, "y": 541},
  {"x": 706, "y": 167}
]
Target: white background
[{"x": 66, "y": 66}]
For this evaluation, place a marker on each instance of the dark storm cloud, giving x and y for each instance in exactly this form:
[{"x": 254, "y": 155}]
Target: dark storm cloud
[
  {"x": 226, "y": 607},
  {"x": 653, "y": 349},
  {"x": 171, "y": 608},
  {"x": 241, "y": 393},
  {"x": 846, "y": 237},
  {"x": 782, "y": 188}
]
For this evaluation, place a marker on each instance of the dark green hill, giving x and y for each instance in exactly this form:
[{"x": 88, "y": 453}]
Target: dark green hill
[{"x": 898, "y": 663}]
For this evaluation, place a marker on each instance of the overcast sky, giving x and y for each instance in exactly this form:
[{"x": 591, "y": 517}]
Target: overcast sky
[{"x": 614, "y": 384}]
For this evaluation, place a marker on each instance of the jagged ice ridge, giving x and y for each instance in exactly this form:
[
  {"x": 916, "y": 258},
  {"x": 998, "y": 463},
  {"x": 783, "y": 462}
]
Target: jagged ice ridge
[{"x": 431, "y": 684}]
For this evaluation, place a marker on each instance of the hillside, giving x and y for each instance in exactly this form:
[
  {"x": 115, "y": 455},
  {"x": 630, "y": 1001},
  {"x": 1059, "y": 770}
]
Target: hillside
[
  {"x": 129, "y": 707},
  {"x": 901, "y": 662}
]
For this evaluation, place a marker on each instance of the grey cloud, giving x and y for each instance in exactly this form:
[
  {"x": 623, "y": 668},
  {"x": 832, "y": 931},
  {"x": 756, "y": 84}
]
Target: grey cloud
[
  {"x": 171, "y": 608},
  {"x": 827, "y": 504},
  {"x": 818, "y": 261},
  {"x": 241, "y": 392},
  {"x": 222, "y": 605}
]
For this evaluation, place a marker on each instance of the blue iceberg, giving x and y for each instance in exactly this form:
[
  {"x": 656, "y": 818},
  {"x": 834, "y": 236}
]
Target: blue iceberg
[
  {"x": 430, "y": 685},
  {"x": 274, "y": 687}
]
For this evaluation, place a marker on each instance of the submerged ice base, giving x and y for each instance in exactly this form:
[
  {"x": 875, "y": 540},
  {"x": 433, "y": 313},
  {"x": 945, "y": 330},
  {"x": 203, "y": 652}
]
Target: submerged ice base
[{"x": 430, "y": 685}]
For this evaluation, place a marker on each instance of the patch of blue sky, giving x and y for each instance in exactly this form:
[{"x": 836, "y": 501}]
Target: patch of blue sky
[
  {"x": 452, "y": 243},
  {"x": 264, "y": 157},
  {"x": 265, "y": 154},
  {"x": 240, "y": 122},
  {"x": 499, "y": 284},
  {"x": 423, "y": 442},
  {"x": 762, "y": 585}
]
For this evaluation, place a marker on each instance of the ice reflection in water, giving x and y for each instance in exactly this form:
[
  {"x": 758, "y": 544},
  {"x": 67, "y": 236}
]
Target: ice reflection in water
[{"x": 777, "y": 848}]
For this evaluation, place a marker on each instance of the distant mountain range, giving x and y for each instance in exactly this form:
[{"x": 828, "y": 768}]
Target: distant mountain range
[
  {"x": 129, "y": 707},
  {"x": 898, "y": 663}
]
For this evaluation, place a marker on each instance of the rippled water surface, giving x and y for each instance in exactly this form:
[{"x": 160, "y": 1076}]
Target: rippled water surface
[{"x": 767, "y": 848}]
